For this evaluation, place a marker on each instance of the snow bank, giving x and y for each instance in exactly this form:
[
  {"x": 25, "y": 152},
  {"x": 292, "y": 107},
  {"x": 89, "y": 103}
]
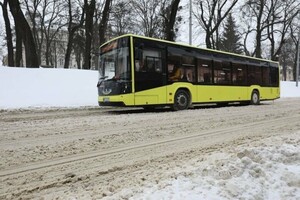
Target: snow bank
[
  {"x": 25, "y": 87},
  {"x": 289, "y": 89},
  {"x": 268, "y": 169}
]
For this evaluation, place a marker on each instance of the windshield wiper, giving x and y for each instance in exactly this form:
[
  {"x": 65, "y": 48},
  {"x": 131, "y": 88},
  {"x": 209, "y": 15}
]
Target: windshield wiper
[{"x": 103, "y": 77}]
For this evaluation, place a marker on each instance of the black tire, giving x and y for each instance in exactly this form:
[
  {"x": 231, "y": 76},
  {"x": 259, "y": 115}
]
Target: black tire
[
  {"x": 255, "y": 99},
  {"x": 181, "y": 100}
]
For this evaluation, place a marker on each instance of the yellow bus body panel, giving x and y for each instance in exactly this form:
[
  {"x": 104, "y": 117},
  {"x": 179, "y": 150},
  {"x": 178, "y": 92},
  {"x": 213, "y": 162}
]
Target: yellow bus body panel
[
  {"x": 199, "y": 94},
  {"x": 154, "y": 96},
  {"x": 127, "y": 99},
  {"x": 269, "y": 93},
  {"x": 213, "y": 93}
]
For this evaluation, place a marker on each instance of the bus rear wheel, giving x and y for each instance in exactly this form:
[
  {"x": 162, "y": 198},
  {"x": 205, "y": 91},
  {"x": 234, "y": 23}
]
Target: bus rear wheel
[
  {"x": 181, "y": 100},
  {"x": 255, "y": 100}
]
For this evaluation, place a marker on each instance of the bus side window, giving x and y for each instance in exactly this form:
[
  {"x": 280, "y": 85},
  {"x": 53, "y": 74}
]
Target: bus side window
[
  {"x": 266, "y": 76},
  {"x": 204, "y": 71},
  {"x": 190, "y": 74},
  {"x": 153, "y": 64},
  {"x": 148, "y": 60},
  {"x": 239, "y": 74},
  {"x": 222, "y": 72},
  {"x": 254, "y": 75},
  {"x": 274, "y": 79},
  {"x": 176, "y": 72}
]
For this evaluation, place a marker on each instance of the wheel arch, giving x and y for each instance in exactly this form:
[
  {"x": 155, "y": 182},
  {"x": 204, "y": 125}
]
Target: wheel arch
[{"x": 252, "y": 89}]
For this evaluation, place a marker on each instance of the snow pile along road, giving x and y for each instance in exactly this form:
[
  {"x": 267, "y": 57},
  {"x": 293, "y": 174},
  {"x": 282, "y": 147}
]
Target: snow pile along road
[
  {"x": 24, "y": 87},
  {"x": 262, "y": 169}
]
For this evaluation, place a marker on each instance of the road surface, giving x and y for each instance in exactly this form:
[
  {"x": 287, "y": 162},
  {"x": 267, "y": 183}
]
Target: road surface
[{"x": 97, "y": 152}]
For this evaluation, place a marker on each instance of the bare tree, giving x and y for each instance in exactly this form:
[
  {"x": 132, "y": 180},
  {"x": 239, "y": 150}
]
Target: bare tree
[
  {"x": 285, "y": 12},
  {"x": 121, "y": 20},
  {"x": 78, "y": 46},
  {"x": 272, "y": 21},
  {"x": 32, "y": 15},
  {"x": 75, "y": 22},
  {"x": 210, "y": 14},
  {"x": 255, "y": 9},
  {"x": 51, "y": 27},
  {"x": 169, "y": 14},
  {"x": 104, "y": 21},
  {"x": 46, "y": 22},
  {"x": 89, "y": 17},
  {"x": 147, "y": 17},
  {"x": 9, "y": 40},
  {"x": 295, "y": 33},
  {"x": 23, "y": 27}
]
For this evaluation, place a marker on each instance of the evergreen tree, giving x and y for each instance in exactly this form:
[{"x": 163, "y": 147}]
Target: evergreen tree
[{"x": 230, "y": 41}]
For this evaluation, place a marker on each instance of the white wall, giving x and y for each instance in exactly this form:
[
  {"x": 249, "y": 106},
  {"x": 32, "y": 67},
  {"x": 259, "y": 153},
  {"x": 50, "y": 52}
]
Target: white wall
[
  {"x": 289, "y": 89},
  {"x": 24, "y": 87}
]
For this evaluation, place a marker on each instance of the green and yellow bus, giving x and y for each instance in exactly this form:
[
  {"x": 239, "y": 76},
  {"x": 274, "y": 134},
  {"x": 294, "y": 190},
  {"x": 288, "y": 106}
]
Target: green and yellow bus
[{"x": 147, "y": 72}]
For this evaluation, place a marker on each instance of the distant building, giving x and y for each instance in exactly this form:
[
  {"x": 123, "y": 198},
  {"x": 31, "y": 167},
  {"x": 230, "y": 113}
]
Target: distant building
[
  {"x": 56, "y": 53},
  {"x": 289, "y": 74}
]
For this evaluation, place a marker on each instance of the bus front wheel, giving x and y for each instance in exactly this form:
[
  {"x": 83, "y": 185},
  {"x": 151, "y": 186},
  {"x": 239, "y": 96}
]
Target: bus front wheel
[
  {"x": 181, "y": 100},
  {"x": 255, "y": 100}
]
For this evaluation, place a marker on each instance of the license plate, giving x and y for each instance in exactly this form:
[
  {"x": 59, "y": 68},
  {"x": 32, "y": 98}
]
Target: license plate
[{"x": 105, "y": 99}]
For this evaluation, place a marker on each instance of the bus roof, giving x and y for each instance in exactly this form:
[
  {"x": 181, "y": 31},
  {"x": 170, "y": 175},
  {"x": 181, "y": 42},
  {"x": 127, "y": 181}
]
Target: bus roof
[{"x": 187, "y": 45}]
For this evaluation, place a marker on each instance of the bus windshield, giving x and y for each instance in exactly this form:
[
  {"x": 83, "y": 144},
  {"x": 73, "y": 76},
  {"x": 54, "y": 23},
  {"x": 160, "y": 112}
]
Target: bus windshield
[
  {"x": 114, "y": 70},
  {"x": 114, "y": 63}
]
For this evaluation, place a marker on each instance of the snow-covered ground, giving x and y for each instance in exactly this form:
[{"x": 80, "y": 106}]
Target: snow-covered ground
[
  {"x": 266, "y": 168},
  {"x": 24, "y": 87}
]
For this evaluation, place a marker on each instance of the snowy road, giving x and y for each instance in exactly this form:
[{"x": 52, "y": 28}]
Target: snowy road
[{"x": 91, "y": 153}]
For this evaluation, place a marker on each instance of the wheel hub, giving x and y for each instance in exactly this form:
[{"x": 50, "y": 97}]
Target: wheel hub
[{"x": 181, "y": 100}]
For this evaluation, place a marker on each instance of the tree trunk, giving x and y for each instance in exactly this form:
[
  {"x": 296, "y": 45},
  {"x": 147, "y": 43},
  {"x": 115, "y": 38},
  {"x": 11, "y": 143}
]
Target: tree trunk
[
  {"x": 295, "y": 61},
  {"x": 10, "y": 49},
  {"x": 170, "y": 33},
  {"x": 69, "y": 49},
  {"x": 19, "y": 48},
  {"x": 103, "y": 22},
  {"x": 207, "y": 40},
  {"x": 47, "y": 53},
  {"x": 22, "y": 26},
  {"x": 90, "y": 9},
  {"x": 259, "y": 30},
  {"x": 258, "y": 44},
  {"x": 284, "y": 68},
  {"x": 72, "y": 29}
]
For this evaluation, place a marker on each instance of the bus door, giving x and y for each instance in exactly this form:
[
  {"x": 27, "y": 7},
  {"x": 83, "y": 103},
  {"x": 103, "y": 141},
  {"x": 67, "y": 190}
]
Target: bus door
[{"x": 150, "y": 75}]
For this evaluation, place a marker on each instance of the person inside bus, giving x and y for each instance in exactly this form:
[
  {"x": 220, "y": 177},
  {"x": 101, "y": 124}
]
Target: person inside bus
[
  {"x": 189, "y": 75},
  {"x": 176, "y": 74},
  {"x": 139, "y": 65}
]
